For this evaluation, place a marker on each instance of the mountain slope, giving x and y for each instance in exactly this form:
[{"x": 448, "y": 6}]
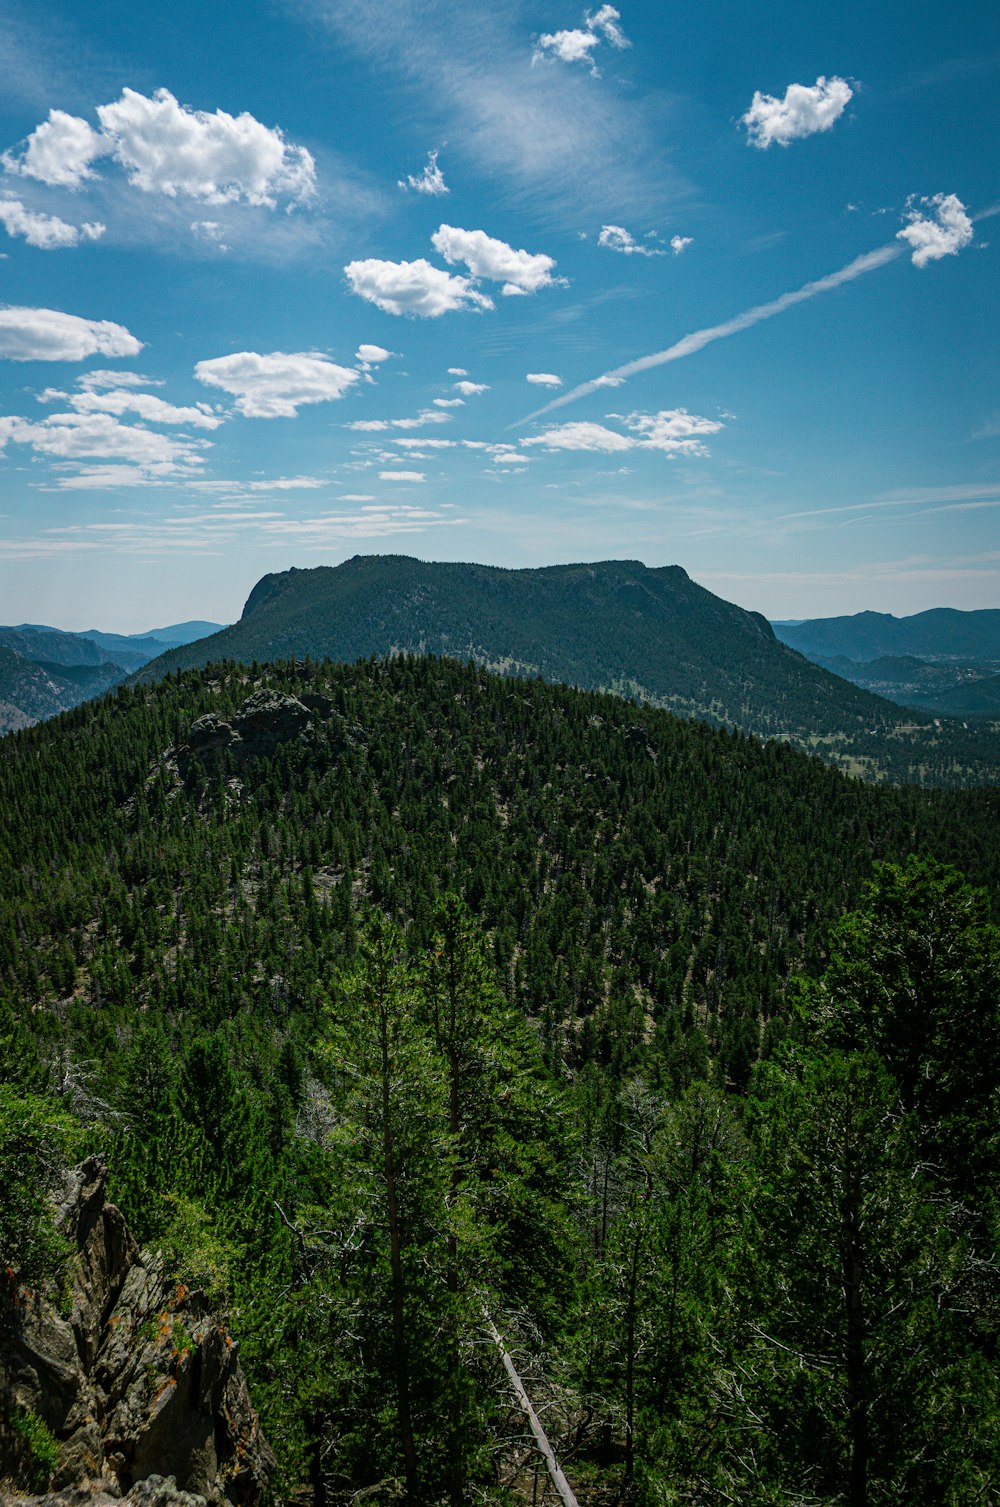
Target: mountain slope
[
  {"x": 613, "y": 625},
  {"x": 32, "y": 690},
  {"x": 940, "y": 633}
]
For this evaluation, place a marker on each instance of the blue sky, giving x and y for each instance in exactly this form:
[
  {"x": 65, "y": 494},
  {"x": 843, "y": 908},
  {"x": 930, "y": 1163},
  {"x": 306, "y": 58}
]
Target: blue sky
[{"x": 516, "y": 283}]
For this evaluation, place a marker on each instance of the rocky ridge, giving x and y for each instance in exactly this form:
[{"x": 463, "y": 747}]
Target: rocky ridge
[{"x": 138, "y": 1381}]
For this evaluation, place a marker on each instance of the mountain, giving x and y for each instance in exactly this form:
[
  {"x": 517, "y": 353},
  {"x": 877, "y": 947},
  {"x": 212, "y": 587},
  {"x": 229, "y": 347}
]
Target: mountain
[
  {"x": 953, "y": 687},
  {"x": 650, "y": 634},
  {"x": 544, "y": 1094},
  {"x": 941, "y": 633},
  {"x": 32, "y": 690},
  {"x": 45, "y": 670}
]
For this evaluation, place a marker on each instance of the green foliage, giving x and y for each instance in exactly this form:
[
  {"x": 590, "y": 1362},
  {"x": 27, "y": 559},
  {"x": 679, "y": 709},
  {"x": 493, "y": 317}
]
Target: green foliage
[
  {"x": 33, "y": 1449},
  {"x": 523, "y": 954},
  {"x": 36, "y": 1142},
  {"x": 652, "y": 635}
]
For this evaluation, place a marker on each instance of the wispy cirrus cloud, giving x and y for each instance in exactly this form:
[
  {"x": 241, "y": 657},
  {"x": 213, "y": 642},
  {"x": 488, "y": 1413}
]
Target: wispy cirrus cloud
[{"x": 546, "y": 132}]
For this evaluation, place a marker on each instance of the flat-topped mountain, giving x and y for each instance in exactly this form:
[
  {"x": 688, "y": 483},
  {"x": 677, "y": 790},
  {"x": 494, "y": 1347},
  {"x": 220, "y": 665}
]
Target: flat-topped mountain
[{"x": 617, "y": 625}]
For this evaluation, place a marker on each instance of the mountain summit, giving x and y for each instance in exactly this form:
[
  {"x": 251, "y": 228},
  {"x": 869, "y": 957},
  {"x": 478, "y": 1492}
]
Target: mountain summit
[{"x": 616, "y": 625}]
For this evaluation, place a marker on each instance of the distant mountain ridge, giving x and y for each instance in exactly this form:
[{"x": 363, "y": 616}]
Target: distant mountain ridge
[
  {"x": 44, "y": 671},
  {"x": 616, "y": 625},
  {"x": 939, "y": 633}
]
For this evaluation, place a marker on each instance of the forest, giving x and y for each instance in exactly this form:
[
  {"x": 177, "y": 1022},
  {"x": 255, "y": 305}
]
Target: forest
[{"x": 411, "y": 1004}]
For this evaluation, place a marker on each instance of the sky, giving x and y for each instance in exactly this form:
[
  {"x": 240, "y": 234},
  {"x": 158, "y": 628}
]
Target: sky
[{"x": 519, "y": 283}]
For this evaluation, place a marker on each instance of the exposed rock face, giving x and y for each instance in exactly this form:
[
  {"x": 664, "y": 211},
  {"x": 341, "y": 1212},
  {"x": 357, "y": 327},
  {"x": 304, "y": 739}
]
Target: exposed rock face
[
  {"x": 139, "y": 1382},
  {"x": 264, "y": 721}
]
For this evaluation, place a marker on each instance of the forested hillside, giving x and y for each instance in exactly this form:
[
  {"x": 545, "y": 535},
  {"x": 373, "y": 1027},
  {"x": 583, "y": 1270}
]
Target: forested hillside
[
  {"x": 654, "y": 635},
  {"x": 401, "y": 993}
]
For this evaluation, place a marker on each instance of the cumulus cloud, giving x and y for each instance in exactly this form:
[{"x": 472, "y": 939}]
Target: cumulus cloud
[
  {"x": 582, "y": 435},
  {"x": 69, "y": 437},
  {"x": 578, "y": 45},
  {"x": 47, "y": 232},
  {"x": 679, "y": 243},
  {"x": 449, "y": 402},
  {"x": 519, "y": 271},
  {"x": 430, "y": 181},
  {"x": 277, "y": 385},
  {"x": 471, "y": 389},
  {"x": 167, "y": 148},
  {"x": 49, "y": 335},
  {"x": 150, "y": 409},
  {"x": 804, "y": 110},
  {"x": 544, "y": 379},
  {"x": 59, "y": 151},
  {"x": 944, "y": 232},
  {"x": 673, "y": 431},
  {"x": 371, "y": 355},
  {"x": 413, "y": 288},
  {"x": 457, "y": 371},
  {"x": 617, "y": 238},
  {"x": 401, "y": 476}
]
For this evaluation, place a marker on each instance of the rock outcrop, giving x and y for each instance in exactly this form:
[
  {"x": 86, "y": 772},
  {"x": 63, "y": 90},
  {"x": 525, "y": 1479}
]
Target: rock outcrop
[
  {"x": 133, "y": 1375},
  {"x": 265, "y": 721}
]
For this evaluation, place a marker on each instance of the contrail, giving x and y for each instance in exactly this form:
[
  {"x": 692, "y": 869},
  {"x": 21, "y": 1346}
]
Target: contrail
[{"x": 700, "y": 338}]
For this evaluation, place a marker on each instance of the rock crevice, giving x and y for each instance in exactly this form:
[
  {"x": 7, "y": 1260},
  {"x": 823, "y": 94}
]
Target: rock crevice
[{"x": 133, "y": 1374}]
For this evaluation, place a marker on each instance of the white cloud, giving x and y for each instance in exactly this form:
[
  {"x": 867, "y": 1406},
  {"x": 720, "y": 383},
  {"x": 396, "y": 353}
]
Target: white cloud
[
  {"x": 99, "y": 436},
  {"x": 942, "y": 234},
  {"x": 617, "y": 238},
  {"x": 804, "y": 110},
  {"x": 59, "y": 152},
  {"x": 689, "y": 345},
  {"x": 100, "y": 378},
  {"x": 544, "y": 379},
  {"x": 277, "y": 385},
  {"x": 519, "y": 271},
  {"x": 401, "y": 476},
  {"x": 357, "y": 497},
  {"x": 471, "y": 389},
  {"x": 151, "y": 409},
  {"x": 679, "y": 243},
  {"x": 430, "y": 181},
  {"x": 371, "y": 355},
  {"x": 457, "y": 371},
  {"x": 47, "y": 232},
  {"x": 582, "y": 435},
  {"x": 167, "y": 148},
  {"x": 578, "y": 45},
  {"x": 50, "y": 335},
  {"x": 424, "y": 417},
  {"x": 449, "y": 402},
  {"x": 413, "y": 288},
  {"x": 672, "y": 431},
  {"x": 426, "y": 444}
]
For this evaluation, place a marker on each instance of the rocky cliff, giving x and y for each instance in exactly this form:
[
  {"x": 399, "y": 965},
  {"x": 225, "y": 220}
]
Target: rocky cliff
[{"x": 133, "y": 1376}]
